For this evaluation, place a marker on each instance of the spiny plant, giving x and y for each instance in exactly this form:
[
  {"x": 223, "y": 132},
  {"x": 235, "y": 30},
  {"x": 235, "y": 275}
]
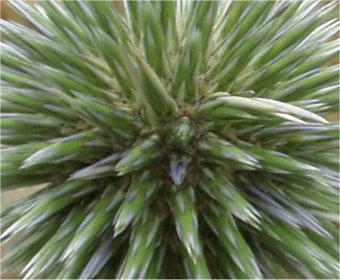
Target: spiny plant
[{"x": 176, "y": 139}]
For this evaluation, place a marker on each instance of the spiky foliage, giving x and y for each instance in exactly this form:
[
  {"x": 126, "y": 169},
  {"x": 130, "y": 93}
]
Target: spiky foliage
[{"x": 177, "y": 139}]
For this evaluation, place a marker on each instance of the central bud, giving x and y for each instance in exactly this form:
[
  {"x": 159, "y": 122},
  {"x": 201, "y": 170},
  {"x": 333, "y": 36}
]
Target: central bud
[{"x": 180, "y": 133}]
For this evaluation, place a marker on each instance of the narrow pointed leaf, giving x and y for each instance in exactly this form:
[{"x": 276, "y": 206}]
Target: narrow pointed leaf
[
  {"x": 137, "y": 199},
  {"x": 142, "y": 154}
]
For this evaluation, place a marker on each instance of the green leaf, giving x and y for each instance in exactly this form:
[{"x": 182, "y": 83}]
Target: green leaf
[
  {"x": 101, "y": 168},
  {"x": 118, "y": 121},
  {"x": 18, "y": 153},
  {"x": 154, "y": 39},
  {"x": 295, "y": 242},
  {"x": 301, "y": 85},
  {"x": 137, "y": 199},
  {"x": 152, "y": 93},
  {"x": 100, "y": 258},
  {"x": 276, "y": 162},
  {"x": 25, "y": 250},
  {"x": 96, "y": 222},
  {"x": 228, "y": 197},
  {"x": 293, "y": 110},
  {"x": 144, "y": 240},
  {"x": 49, "y": 254},
  {"x": 142, "y": 154},
  {"x": 79, "y": 146},
  {"x": 223, "y": 106},
  {"x": 184, "y": 85},
  {"x": 195, "y": 269},
  {"x": 186, "y": 222},
  {"x": 215, "y": 148},
  {"x": 239, "y": 102},
  {"x": 53, "y": 201},
  {"x": 201, "y": 17},
  {"x": 155, "y": 267},
  {"x": 230, "y": 237}
]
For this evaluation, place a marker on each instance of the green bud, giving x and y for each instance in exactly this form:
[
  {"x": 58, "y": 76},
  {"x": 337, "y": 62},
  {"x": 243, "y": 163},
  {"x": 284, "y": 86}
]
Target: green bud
[{"x": 181, "y": 132}]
